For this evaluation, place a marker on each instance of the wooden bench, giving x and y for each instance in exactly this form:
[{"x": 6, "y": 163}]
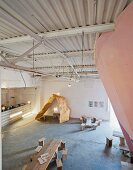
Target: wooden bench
[
  {"x": 124, "y": 149},
  {"x": 51, "y": 148},
  {"x": 88, "y": 124},
  {"x": 121, "y": 136}
]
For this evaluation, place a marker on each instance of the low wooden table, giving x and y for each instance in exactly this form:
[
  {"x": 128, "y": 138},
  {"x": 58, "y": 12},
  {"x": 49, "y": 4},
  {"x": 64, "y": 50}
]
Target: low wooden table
[{"x": 52, "y": 148}]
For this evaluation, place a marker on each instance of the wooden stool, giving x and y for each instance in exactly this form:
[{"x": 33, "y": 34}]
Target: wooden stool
[
  {"x": 64, "y": 155},
  {"x": 59, "y": 164},
  {"x": 62, "y": 145},
  {"x": 109, "y": 141},
  {"x": 82, "y": 126},
  {"x": 122, "y": 141},
  {"x": 41, "y": 141}
]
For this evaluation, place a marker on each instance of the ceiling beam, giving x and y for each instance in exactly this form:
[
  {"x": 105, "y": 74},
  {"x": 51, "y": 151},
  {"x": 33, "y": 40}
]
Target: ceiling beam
[
  {"x": 38, "y": 56},
  {"x": 88, "y": 72},
  {"x": 62, "y": 33},
  {"x": 20, "y": 68},
  {"x": 69, "y": 53},
  {"x": 50, "y": 47},
  {"x": 21, "y": 57},
  {"x": 70, "y": 73},
  {"x": 22, "y": 27},
  {"x": 75, "y": 66},
  {"x": 5, "y": 60}
]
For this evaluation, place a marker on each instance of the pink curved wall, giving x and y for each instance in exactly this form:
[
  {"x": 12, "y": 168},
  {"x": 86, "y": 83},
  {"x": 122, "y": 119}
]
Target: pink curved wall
[{"x": 114, "y": 60}]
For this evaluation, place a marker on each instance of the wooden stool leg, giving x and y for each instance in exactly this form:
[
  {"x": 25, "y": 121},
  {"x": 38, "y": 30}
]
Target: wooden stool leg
[
  {"x": 64, "y": 155},
  {"x": 82, "y": 126},
  {"x": 59, "y": 164},
  {"x": 41, "y": 142}
]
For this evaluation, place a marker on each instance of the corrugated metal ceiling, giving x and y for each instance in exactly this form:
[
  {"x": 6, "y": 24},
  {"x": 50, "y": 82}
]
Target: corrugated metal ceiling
[
  {"x": 48, "y": 15},
  {"x": 42, "y": 16}
]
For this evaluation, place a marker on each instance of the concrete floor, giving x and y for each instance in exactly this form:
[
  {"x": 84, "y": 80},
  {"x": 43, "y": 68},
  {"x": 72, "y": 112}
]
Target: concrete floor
[{"x": 86, "y": 149}]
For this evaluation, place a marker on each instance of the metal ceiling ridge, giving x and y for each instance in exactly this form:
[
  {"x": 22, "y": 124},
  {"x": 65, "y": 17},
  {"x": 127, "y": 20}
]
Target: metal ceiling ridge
[
  {"x": 77, "y": 66},
  {"x": 63, "y": 33},
  {"x": 65, "y": 52}
]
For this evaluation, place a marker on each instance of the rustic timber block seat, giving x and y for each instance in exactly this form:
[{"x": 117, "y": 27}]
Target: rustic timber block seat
[
  {"x": 89, "y": 124},
  {"x": 124, "y": 149},
  {"x": 64, "y": 155},
  {"x": 62, "y": 146},
  {"x": 41, "y": 142},
  {"x": 120, "y": 136},
  {"x": 109, "y": 140}
]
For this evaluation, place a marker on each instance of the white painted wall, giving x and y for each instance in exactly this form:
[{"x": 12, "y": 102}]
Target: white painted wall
[
  {"x": 32, "y": 94},
  {"x": 14, "y": 84},
  {"x": 12, "y": 79},
  {"x": 78, "y": 96}
]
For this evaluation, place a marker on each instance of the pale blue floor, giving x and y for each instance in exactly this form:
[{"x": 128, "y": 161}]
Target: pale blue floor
[{"x": 86, "y": 149}]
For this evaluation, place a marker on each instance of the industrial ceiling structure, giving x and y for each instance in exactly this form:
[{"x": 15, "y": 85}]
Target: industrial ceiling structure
[{"x": 55, "y": 37}]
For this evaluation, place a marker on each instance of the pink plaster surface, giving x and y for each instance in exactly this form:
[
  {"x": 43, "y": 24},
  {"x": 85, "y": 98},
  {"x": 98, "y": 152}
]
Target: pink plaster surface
[
  {"x": 114, "y": 60},
  {"x": 128, "y": 140}
]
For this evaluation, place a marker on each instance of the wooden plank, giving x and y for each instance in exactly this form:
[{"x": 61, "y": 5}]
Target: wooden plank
[
  {"x": 50, "y": 148},
  {"x": 118, "y": 134},
  {"x": 124, "y": 148},
  {"x": 31, "y": 165}
]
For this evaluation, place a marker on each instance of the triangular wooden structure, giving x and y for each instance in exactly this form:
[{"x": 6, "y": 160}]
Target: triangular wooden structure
[{"x": 60, "y": 103}]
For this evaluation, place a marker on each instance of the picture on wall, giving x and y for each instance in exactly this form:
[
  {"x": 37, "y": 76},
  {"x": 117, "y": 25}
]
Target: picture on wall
[{"x": 99, "y": 104}]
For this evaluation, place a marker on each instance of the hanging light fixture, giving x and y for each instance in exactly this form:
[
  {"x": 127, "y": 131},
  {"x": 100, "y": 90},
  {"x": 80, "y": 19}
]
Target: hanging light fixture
[{"x": 82, "y": 51}]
